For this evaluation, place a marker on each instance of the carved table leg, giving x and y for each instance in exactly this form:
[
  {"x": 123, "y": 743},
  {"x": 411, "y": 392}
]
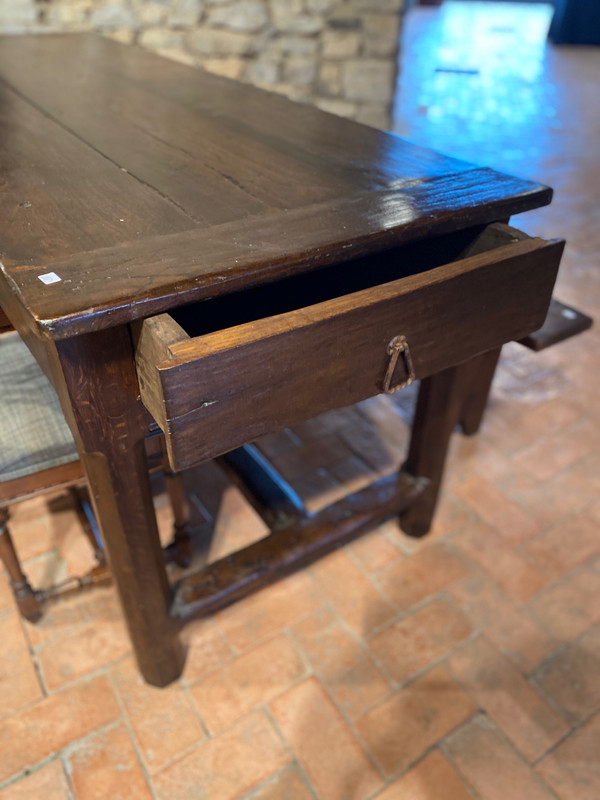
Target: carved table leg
[
  {"x": 26, "y": 599},
  {"x": 97, "y": 384},
  {"x": 439, "y": 409}
]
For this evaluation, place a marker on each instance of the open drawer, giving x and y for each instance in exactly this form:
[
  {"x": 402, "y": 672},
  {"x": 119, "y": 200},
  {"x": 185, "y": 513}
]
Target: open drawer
[{"x": 223, "y": 372}]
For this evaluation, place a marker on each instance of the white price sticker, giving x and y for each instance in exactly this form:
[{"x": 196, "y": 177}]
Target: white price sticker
[{"x": 49, "y": 277}]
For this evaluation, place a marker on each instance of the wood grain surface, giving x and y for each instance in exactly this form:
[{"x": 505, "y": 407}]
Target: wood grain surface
[
  {"x": 218, "y": 391},
  {"x": 144, "y": 184}
]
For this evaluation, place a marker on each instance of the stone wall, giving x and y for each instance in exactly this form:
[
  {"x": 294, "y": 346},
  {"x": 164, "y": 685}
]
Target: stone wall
[{"x": 339, "y": 54}]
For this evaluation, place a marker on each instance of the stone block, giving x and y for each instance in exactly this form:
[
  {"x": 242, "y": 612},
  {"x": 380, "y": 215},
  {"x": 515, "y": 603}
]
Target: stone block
[
  {"x": 343, "y": 20},
  {"x": 378, "y": 6},
  {"x": 185, "y": 13},
  {"x": 17, "y": 13},
  {"x": 299, "y": 94},
  {"x": 289, "y": 17},
  {"x": 340, "y": 44},
  {"x": 300, "y": 71},
  {"x": 150, "y": 13},
  {"x": 382, "y": 34},
  {"x": 294, "y": 45},
  {"x": 377, "y": 116},
  {"x": 330, "y": 79},
  {"x": 179, "y": 55},
  {"x": 369, "y": 80},
  {"x": 226, "y": 67},
  {"x": 342, "y": 108},
  {"x": 113, "y": 15},
  {"x": 216, "y": 42},
  {"x": 320, "y": 6},
  {"x": 263, "y": 71},
  {"x": 123, "y": 36},
  {"x": 242, "y": 16},
  {"x": 294, "y": 7},
  {"x": 67, "y": 15},
  {"x": 161, "y": 38}
]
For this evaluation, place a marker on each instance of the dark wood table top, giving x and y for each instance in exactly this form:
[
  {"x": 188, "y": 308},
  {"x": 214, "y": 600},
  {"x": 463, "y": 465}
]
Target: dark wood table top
[{"x": 143, "y": 184}]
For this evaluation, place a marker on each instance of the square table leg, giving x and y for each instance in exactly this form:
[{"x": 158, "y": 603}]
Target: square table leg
[
  {"x": 455, "y": 396},
  {"x": 97, "y": 383}
]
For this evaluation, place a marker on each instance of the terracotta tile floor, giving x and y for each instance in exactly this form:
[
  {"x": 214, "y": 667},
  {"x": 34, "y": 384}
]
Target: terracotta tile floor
[{"x": 463, "y": 666}]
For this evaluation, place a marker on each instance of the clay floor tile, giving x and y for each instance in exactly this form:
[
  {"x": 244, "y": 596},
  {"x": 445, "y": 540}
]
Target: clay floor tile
[
  {"x": 334, "y": 761},
  {"x": 268, "y": 611},
  {"x": 32, "y": 536},
  {"x": 491, "y": 765},
  {"x": 354, "y": 597},
  {"x": 162, "y": 720},
  {"x": 228, "y": 766},
  {"x": 374, "y": 550},
  {"x": 207, "y": 648},
  {"x": 565, "y": 547},
  {"x": 403, "y": 728},
  {"x": 87, "y": 648},
  {"x": 513, "y": 704},
  {"x": 248, "y": 681},
  {"x": 494, "y": 555},
  {"x": 47, "y": 783},
  {"x": 287, "y": 785},
  {"x": 569, "y": 607},
  {"x": 571, "y": 679},
  {"x": 433, "y": 778},
  {"x": 106, "y": 766},
  {"x": 54, "y": 722},
  {"x": 411, "y": 645},
  {"x": 497, "y": 510},
  {"x": 347, "y": 669},
  {"x": 507, "y": 626},
  {"x": 57, "y": 619},
  {"x": 422, "y": 575},
  {"x": 554, "y": 501},
  {"x": 550, "y": 455},
  {"x": 16, "y": 662},
  {"x": 573, "y": 769}
]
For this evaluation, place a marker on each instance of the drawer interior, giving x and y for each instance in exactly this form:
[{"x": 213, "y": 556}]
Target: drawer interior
[{"x": 327, "y": 283}]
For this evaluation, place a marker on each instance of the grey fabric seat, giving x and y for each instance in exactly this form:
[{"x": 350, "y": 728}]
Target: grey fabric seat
[{"x": 33, "y": 433}]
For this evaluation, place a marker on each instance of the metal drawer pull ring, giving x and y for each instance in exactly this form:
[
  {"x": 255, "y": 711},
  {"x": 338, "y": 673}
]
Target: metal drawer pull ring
[{"x": 396, "y": 348}]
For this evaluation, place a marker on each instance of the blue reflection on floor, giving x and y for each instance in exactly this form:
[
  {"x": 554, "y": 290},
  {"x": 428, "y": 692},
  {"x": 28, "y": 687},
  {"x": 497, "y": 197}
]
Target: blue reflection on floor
[{"x": 471, "y": 83}]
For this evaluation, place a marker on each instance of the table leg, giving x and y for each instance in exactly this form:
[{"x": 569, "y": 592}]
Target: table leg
[
  {"x": 96, "y": 380},
  {"x": 478, "y": 384},
  {"x": 440, "y": 407}
]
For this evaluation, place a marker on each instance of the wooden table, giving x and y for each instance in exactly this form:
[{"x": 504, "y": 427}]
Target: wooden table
[{"x": 184, "y": 250}]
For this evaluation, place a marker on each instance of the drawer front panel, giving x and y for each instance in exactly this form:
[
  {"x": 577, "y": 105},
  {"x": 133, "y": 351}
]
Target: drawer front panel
[{"x": 224, "y": 389}]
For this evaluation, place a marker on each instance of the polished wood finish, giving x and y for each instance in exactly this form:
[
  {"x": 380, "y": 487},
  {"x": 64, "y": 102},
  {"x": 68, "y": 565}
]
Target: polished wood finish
[
  {"x": 166, "y": 271},
  {"x": 140, "y": 186},
  {"x": 561, "y": 323},
  {"x": 478, "y": 378},
  {"x": 193, "y": 386},
  {"x": 97, "y": 384},
  {"x": 60, "y": 477},
  {"x": 181, "y": 185},
  {"x": 5, "y": 323}
]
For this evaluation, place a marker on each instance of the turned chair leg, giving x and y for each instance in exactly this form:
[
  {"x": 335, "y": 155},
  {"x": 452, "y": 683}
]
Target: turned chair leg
[{"x": 27, "y": 600}]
